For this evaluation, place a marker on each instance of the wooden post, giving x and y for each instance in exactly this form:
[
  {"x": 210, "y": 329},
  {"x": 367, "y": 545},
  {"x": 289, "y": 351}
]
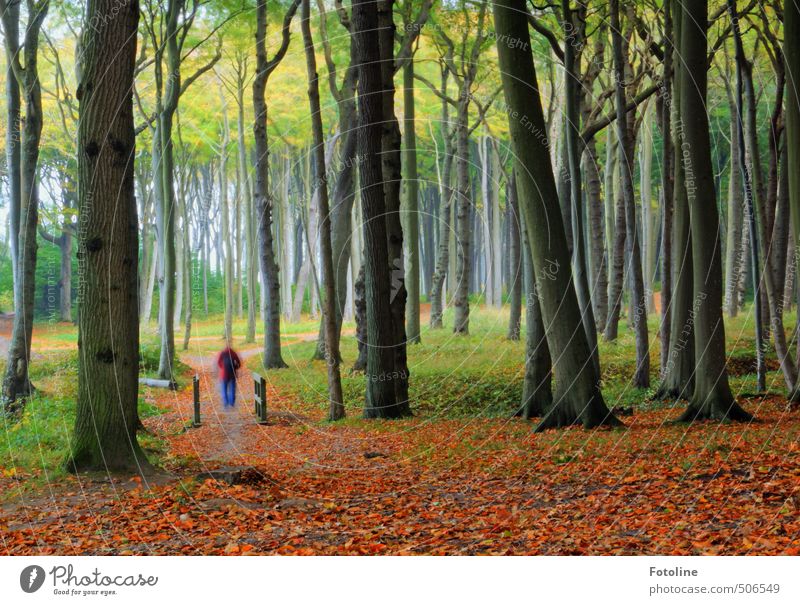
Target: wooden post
[
  {"x": 196, "y": 398},
  {"x": 260, "y": 397}
]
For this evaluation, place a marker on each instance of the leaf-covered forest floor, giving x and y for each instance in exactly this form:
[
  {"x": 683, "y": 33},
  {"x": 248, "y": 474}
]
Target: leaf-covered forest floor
[{"x": 460, "y": 477}]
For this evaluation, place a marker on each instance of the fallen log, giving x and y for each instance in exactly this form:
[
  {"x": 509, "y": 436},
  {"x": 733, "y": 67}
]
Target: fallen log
[{"x": 159, "y": 383}]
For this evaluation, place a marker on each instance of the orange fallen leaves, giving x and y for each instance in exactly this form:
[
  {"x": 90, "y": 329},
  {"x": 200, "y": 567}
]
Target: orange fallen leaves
[{"x": 440, "y": 486}]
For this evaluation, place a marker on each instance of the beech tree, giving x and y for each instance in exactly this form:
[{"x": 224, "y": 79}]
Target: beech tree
[
  {"x": 335, "y": 396},
  {"x": 577, "y": 397},
  {"x": 24, "y": 171},
  {"x": 108, "y": 361},
  {"x": 712, "y": 396},
  {"x": 272, "y": 357}
]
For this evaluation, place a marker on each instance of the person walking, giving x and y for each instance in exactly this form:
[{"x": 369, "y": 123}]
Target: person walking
[{"x": 228, "y": 362}]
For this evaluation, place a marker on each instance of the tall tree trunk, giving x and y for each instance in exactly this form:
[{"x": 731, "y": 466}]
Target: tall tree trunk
[
  {"x": 758, "y": 217},
  {"x": 573, "y": 23},
  {"x": 392, "y": 178},
  {"x": 187, "y": 277},
  {"x": 578, "y": 398},
  {"x": 225, "y": 225},
  {"x": 735, "y": 202},
  {"x": 664, "y": 104},
  {"x": 496, "y": 241},
  {"x": 336, "y": 400},
  {"x": 463, "y": 230},
  {"x": 594, "y": 201},
  {"x": 381, "y": 397},
  {"x": 16, "y": 382},
  {"x": 412, "y": 205},
  {"x": 617, "y": 275},
  {"x": 10, "y": 19},
  {"x": 263, "y": 200},
  {"x": 791, "y": 52},
  {"x": 641, "y": 377},
  {"x": 648, "y": 215},
  {"x": 106, "y": 420},
  {"x": 712, "y": 397},
  {"x": 249, "y": 233},
  {"x": 678, "y": 373},
  {"x": 444, "y": 224}
]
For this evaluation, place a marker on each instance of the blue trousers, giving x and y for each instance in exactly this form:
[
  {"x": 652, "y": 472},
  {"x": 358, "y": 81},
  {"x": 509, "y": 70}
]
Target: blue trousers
[{"x": 228, "y": 392}]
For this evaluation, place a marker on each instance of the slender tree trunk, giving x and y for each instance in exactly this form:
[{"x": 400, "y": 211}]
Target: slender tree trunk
[
  {"x": 225, "y": 214},
  {"x": 678, "y": 373},
  {"x": 444, "y": 224},
  {"x": 641, "y": 376},
  {"x": 594, "y": 201},
  {"x": 735, "y": 203},
  {"x": 573, "y": 23},
  {"x": 392, "y": 176},
  {"x": 758, "y": 218},
  {"x": 336, "y": 400},
  {"x": 664, "y": 104},
  {"x": 187, "y": 278},
  {"x": 106, "y": 421},
  {"x": 496, "y": 241},
  {"x": 272, "y": 357},
  {"x": 712, "y": 397},
  {"x": 648, "y": 215},
  {"x": 250, "y": 271},
  {"x": 463, "y": 228},
  {"x": 16, "y": 382},
  {"x": 617, "y": 276},
  {"x": 10, "y": 19},
  {"x": 517, "y": 267},
  {"x": 412, "y": 205}
]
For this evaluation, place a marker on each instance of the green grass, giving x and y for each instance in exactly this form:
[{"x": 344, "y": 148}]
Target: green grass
[
  {"x": 482, "y": 374},
  {"x": 479, "y": 375},
  {"x": 36, "y": 445}
]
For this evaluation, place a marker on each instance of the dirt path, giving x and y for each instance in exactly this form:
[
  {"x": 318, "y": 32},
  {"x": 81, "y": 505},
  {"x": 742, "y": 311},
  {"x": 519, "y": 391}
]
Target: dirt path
[{"x": 232, "y": 436}]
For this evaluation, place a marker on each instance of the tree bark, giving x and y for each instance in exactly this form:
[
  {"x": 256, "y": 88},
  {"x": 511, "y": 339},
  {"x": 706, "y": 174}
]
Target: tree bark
[
  {"x": 641, "y": 377},
  {"x": 678, "y": 371},
  {"x": 16, "y": 382},
  {"x": 517, "y": 268},
  {"x": 392, "y": 177},
  {"x": 664, "y": 104},
  {"x": 381, "y": 396},
  {"x": 412, "y": 205},
  {"x": 537, "y": 394},
  {"x": 733, "y": 240},
  {"x": 444, "y": 224},
  {"x": 272, "y": 358},
  {"x": 712, "y": 397},
  {"x": 578, "y": 398},
  {"x": 106, "y": 421},
  {"x": 574, "y": 23},
  {"x": 336, "y": 400}
]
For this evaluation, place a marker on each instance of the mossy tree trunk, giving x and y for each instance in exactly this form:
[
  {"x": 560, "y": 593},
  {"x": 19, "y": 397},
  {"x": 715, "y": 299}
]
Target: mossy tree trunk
[
  {"x": 577, "y": 398},
  {"x": 712, "y": 397},
  {"x": 16, "y": 382}
]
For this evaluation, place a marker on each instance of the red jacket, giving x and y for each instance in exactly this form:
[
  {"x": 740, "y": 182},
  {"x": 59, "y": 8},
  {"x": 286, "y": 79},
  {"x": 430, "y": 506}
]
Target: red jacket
[{"x": 228, "y": 359}]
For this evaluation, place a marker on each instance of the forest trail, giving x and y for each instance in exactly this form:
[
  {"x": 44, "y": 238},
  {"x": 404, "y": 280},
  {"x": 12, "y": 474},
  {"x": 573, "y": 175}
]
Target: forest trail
[{"x": 226, "y": 436}]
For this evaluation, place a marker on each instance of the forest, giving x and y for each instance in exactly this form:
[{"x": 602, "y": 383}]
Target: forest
[{"x": 492, "y": 277}]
